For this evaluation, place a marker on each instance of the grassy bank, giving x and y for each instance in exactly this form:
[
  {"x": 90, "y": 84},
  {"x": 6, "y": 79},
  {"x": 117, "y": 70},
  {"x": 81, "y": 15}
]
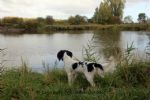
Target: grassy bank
[
  {"x": 128, "y": 82},
  {"x": 131, "y": 27},
  {"x": 40, "y": 28}
]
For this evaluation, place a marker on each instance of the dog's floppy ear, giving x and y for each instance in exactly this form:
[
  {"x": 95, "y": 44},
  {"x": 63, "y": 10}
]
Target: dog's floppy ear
[
  {"x": 60, "y": 54},
  {"x": 69, "y": 53}
]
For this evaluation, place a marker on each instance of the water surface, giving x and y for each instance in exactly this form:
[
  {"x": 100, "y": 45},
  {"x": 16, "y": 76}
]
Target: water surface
[{"x": 38, "y": 48}]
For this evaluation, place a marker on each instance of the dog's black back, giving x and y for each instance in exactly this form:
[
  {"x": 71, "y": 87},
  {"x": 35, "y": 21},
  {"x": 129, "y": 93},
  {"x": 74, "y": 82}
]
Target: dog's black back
[{"x": 91, "y": 66}]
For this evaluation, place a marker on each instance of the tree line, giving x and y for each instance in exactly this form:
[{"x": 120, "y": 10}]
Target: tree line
[
  {"x": 108, "y": 12},
  {"x": 49, "y": 20}
]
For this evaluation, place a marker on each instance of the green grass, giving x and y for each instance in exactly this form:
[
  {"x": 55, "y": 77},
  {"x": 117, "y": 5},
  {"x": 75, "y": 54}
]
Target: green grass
[{"x": 128, "y": 82}]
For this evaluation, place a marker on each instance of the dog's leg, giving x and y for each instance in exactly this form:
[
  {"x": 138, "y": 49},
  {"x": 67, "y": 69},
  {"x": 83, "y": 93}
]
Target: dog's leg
[
  {"x": 100, "y": 73},
  {"x": 70, "y": 76},
  {"x": 74, "y": 77},
  {"x": 90, "y": 77}
]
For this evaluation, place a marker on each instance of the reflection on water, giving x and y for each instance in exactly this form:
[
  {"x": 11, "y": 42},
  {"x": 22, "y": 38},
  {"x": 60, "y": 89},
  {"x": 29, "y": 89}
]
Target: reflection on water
[
  {"x": 115, "y": 43},
  {"x": 108, "y": 43},
  {"x": 35, "y": 48}
]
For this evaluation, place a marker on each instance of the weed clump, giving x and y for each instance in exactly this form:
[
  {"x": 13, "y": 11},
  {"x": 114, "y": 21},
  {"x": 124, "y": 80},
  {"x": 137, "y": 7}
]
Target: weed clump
[{"x": 134, "y": 74}]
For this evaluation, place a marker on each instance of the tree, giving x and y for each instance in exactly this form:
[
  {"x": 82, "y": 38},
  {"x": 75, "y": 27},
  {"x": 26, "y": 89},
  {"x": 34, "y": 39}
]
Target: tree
[
  {"x": 148, "y": 20},
  {"x": 128, "y": 19},
  {"x": 142, "y": 17},
  {"x": 76, "y": 20},
  {"x": 71, "y": 20},
  {"x": 109, "y": 12},
  {"x": 1, "y": 24},
  {"x": 31, "y": 25},
  {"x": 104, "y": 16},
  {"x": 40, "y": 19},
  {"x": 12, "y": 20},
  {"x": 95, "y": 17},
  {"x": 117, "y": 7},
  {"x": 50, "y": 20},
  {"x": 90, "y": 20}
]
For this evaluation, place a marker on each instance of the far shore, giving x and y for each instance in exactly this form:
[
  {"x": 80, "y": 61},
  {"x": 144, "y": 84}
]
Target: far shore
[{"x": 48, "y": 28}]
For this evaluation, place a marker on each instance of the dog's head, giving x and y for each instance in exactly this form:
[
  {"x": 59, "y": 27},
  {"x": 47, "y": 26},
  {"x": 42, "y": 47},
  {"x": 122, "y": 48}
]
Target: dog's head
[{"x": 60, "y": 54}]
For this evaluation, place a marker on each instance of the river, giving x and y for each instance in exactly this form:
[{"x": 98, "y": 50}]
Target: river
[{"x": 35, "y": 49}]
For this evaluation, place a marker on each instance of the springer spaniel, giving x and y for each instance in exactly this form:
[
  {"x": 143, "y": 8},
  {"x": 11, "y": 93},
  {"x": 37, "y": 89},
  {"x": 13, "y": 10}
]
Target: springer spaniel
[{"x": 73, "y": 66}]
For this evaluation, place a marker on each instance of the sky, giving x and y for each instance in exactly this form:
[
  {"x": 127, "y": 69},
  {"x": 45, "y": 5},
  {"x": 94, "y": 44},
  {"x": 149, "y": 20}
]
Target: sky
[{"x": 62, "y": 9}]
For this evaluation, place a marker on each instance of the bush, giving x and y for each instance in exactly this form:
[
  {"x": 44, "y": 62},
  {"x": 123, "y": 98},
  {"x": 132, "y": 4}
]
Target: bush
[
  {"x": 11, "y": 21},
  {"x": 77, "y": 20},
  {"x": 31, "y": 25}
]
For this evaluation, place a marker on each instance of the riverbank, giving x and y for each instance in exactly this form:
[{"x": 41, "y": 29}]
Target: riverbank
[
  {"x": 47, "y": 28},
  {"x": 128, "y": 82},
  {"x": 127, "y": 27}
]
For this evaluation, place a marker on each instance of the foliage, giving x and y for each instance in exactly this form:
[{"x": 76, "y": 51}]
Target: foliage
[
  {"x": 1, "y": 24},
  {"x": 61, "y": 22},
  {"x": 2, "y": 61},
  {"x": 31, "y": 25},
  {"x": 76, "y": 20},
  {"x": 40, "y": 20},
  {"x": 128, "y": 55},
  {"x": 135, "y": 73},
  {"x": 96, "y": 16},
  {"x": 109, "y": 12},
  {"x": 40, "y": 25},
  {"x": 128, "y": 19},
  {"x": 148, "y": 21},
  {"x": 89, "y": 54},
  {"x": 142, "y": 17},
  {"x": 49, "y": 20},
  {"x": 104, "y": 13},
  {"x": 12, "y": 21}
]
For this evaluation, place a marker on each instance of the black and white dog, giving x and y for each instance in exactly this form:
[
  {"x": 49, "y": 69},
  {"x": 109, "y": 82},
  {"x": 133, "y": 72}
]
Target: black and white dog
[{"x": 73, "y": 66}]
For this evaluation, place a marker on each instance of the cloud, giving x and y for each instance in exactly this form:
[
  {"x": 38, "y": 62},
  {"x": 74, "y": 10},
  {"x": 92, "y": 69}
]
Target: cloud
[
  {"x": 134, "y": 2},
  {"x": 57, "y": 8},
  {"x": 134, "y": 7},
  {"x": 60, "y": 9}
]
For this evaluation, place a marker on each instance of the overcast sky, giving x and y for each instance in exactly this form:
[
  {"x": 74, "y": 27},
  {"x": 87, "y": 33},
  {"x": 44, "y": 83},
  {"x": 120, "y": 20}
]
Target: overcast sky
[{"x": 62, "y": 9}]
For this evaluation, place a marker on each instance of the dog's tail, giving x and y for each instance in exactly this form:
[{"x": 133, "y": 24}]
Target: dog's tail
[{"x": 109, "y": 66}]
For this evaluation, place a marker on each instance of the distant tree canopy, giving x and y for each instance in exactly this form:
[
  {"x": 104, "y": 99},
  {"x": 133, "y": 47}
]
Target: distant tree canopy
[
  {"x": 148, "y": 20},
  {"x": 142, "y": 17},
  {"x": 31, "y": 25},
  {"x": 128, "y": 19},
  {"x": 11, "y": 20},
  {"x": 40, "y": 19},
  {"x": 109, "y": 12},
  {"x": 1, "y": 24},
  {"x": 49, "y": 20},
  {"x": 76, "y": 20}
]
